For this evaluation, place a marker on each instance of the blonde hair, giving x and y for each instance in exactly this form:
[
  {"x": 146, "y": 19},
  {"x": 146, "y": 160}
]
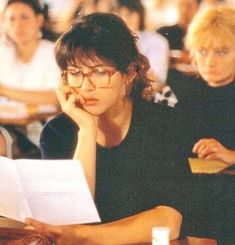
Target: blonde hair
[{"x": 214, "y": 25}]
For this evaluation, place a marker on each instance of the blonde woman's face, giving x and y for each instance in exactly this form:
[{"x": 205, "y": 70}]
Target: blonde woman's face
[
  {"x": 21, "y": 23},
  {"x": 216, "y": 64}
]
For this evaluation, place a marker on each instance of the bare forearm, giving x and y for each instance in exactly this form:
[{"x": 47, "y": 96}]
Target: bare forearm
[
  {"x": 86, "y": 153},
  {"x": 135, "y": 229},
  {"x": 228, "y": 156},
  {"x": 30, "y": 97}
]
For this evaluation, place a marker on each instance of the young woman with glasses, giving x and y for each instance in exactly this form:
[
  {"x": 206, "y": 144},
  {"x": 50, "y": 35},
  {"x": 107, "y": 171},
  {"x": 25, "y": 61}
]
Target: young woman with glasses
[{"x": 127, "y": 146}]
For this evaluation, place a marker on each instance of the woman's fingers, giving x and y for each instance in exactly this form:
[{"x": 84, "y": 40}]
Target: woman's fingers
[
  {"x": 211, "y": 156},
  {"x": 199, "y": 146},
  {"x": 51, "y": 231},
  {"x": 204, "y": 147}
]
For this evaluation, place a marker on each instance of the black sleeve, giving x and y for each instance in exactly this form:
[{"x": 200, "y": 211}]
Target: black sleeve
[{"x": 58, "y": 138}]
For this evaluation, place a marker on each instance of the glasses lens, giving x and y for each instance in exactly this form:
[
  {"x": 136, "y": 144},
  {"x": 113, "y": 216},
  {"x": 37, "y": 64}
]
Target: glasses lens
[
  {"x": 99, "y": 79},
  {"x": 74, "y": 78}
]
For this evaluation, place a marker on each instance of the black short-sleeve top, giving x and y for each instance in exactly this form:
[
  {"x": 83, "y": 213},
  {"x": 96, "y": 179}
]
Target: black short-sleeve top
[{"x": 145, "y": 170}]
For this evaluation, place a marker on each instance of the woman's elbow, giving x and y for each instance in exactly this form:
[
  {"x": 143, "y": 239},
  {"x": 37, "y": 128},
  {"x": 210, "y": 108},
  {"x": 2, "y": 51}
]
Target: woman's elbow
[{"x": 172, "y": 219}]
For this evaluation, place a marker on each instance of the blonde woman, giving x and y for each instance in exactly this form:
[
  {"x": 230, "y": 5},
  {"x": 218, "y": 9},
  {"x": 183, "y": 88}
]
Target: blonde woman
[
  {"x": 211, "y": 41},
  {"x": 208, "y": 101}
]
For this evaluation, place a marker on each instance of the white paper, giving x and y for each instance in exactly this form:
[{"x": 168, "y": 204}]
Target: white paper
[
  {"x": 56, "y": 191},
  {"x": 12, "y": 202}
]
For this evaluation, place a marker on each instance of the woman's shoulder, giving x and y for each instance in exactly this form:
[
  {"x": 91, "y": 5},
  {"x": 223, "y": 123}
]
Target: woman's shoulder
[
  {"x": 6, "y": 46},
  {"x": 153, "y": 112},
  {"x": 45, "y": 57},
  {"x": 58, "y": 138},
  {"x": 60, "y": 124},
  {"x": 153, "y": 38},
  {"x": 47, "y": 44},
  {"x": 184, "y": 85},
  {"x": 176, "y": 76},
  {"x": 46, "y": 48}
]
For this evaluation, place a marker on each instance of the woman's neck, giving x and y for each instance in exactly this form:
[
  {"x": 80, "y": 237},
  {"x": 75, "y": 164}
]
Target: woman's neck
[
  {"x": 25, "y": 51},
  {"x": 113, "y": 126}
]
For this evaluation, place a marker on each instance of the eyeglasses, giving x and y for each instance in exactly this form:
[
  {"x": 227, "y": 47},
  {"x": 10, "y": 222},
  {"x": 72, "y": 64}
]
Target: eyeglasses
[{"x": 98, "y": 77}]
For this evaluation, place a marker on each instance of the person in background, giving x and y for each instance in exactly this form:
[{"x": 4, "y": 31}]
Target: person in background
[
  {"x": 77, "y": 7},
  {"x": 208, "y": 101},
  {"x": 159, "y": 13},
  {"x": 3, "y": 147},
  {"x": 28, "y": 71},
  {"x": 206, "y": 4},
  {"x": 106, "y": 6},
  {"x": 152, "y": 45},
  {"x": 48, "y": 31},
  {"x": 128, "y": 147},
  {"x": 175, "y": 33},
  {"x": 211, "y": 41}
]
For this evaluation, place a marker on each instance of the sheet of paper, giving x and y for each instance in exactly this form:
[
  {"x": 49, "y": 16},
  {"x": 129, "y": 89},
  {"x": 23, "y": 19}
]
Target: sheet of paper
[
  {"x": 207, "y": 166},
  {"x": 57, "y": 191},
  {"x": 12, "y": 204}
]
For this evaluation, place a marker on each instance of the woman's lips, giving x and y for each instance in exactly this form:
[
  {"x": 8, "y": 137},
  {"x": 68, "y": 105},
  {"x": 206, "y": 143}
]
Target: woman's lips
[{"x": 90, "y": 101}]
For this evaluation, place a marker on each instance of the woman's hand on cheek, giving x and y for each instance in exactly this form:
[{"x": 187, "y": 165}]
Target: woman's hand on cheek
[{"x": 71, "y": 104}]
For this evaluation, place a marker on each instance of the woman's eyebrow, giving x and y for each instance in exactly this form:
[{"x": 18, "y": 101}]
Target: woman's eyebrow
[
  {"x": 102, "y": 65},
  {"x": 89, "y": 66}
]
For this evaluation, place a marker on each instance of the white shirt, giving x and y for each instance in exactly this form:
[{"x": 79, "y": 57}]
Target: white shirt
[
  {"x": 40, "y": 74},
  {"x": 158, "y": 16},
  {"x": 156, "y": 48}
]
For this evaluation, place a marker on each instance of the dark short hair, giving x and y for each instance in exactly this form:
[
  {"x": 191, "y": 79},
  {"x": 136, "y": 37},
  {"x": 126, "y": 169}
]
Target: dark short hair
[
  {"x": 104, "y": 36},
  {"x": 134, "y": 6},
  {"x": 34, "y": 4}
]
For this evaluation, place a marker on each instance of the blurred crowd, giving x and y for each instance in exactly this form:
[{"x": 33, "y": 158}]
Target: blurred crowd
[{"x": 158, "y": 12}]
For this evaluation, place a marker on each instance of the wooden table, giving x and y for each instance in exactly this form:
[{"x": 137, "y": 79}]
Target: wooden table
[
  {"x": 18, "y": 226},
  {"x": 189, "y": 241}
]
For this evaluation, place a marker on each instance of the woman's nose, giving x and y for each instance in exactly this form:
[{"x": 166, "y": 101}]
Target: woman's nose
[
  {"x": 87, "y": 85},
  {"x": 210, "y": 59}
]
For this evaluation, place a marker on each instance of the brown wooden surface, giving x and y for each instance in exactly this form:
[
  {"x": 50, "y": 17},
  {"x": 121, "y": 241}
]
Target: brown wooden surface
[
  {"x": 189, "y": 241},
  {"x": 17, "y": 226}
]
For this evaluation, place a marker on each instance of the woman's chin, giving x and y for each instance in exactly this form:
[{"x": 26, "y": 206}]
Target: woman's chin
[{"x": 94, "y": 110}]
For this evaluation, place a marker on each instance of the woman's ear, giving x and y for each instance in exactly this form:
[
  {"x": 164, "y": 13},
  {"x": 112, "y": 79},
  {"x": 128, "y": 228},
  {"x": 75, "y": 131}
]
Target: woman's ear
[
  {"x": 131, "y": 73},
  {"x": 40, "y": 18}
]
